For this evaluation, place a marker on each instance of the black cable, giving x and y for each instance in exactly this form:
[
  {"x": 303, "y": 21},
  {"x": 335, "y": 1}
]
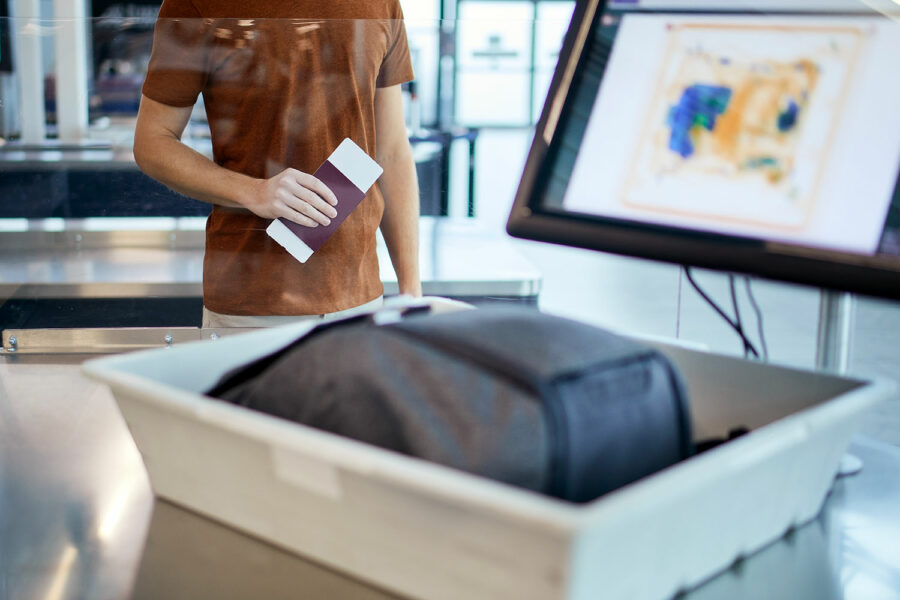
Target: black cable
[
  {"x": 690, "y": 278},
  {"x": 759, "y": 319},
  {"x": 678, "y": 312},
  {"x": 744, "y": 340},
  {"x": 739, "y": 325}
]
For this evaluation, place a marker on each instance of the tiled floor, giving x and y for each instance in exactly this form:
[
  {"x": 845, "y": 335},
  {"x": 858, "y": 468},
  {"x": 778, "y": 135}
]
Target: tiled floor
[{"x": 652, "y": 298}]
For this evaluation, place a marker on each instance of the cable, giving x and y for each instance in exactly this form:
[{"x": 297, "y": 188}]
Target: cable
[
  {"x": 748, "y": 345},
  {"x": 759, "y": 319},
  {"x": 739, "y": 325},
  {"x": 678, "y": 312}
]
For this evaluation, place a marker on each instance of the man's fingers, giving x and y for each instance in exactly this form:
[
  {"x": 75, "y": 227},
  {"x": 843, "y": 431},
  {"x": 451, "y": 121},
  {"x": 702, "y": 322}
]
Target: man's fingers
[
  {"x": 297, "y": 217},
  {"x": 312, "y": 198},
  {"x": 303, "y": 205},
  {"x": 310, "y": 182},
  {"x": 306, "y": 208},
  {"x": 315, "y": 202},
  {"x": 303, "y": 199}
]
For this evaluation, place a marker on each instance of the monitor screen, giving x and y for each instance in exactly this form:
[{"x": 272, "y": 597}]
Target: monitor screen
[{"x": 760, "y": 137}]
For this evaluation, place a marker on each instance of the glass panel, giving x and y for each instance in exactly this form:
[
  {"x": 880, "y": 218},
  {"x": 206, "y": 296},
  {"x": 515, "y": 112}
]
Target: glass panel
[{"x": 91, "y": 236}]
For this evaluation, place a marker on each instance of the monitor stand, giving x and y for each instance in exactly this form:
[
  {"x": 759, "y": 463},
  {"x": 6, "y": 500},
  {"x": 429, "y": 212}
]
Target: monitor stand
[
  {"x": 836, "y": 317},
  {"x": 833, "y": 345}
]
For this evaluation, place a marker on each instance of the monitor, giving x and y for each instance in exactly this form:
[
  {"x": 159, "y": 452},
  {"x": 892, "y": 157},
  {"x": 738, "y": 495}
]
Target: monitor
[{"x": 760, "y": 137}]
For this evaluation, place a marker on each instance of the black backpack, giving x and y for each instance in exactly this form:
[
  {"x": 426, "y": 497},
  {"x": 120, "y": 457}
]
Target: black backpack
[{"x": 536, "y": 401}]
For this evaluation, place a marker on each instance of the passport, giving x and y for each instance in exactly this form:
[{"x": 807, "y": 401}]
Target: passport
[{"x": 349, "y": 173}]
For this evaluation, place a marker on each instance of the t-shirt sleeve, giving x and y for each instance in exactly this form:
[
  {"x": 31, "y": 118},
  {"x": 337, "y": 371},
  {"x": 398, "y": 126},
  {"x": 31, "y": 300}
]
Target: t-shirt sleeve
[
  {"x": 396, "y": 67},
  {"x": 178, "y": 67}
]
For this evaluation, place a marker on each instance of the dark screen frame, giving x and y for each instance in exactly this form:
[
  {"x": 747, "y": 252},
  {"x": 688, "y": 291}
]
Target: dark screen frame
[
  {"x": 6, "y": 57},
  {"x": 531, "y": 218}
]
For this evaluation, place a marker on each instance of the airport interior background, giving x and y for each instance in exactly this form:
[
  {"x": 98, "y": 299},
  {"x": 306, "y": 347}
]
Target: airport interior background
[
  {"x": 481, "y": 78},
  {"x": 87, "y": 241}
]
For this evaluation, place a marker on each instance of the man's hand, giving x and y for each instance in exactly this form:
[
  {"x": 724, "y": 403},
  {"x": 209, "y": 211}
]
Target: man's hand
[
  {"x": 295, "y": 196},
  {"x": 158, "y": 150}
]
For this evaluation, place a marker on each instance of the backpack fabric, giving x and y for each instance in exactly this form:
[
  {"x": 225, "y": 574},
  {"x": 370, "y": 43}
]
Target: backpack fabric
[{"x": 532, "y": 400}]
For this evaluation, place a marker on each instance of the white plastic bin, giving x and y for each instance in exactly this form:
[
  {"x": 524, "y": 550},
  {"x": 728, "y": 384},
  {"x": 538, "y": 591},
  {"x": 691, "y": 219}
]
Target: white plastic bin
[{"x": 429, "y": 531}]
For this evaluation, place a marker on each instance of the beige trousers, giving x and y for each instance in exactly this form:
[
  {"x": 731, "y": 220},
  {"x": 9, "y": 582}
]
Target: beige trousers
[{"x": 215, "y": 320}]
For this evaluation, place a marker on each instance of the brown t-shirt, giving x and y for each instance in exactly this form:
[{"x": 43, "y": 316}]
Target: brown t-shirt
[{"x": 284, "y": 82}]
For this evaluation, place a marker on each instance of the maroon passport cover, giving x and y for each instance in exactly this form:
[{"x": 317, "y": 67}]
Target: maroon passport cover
[{"x": 348, "y": 195}]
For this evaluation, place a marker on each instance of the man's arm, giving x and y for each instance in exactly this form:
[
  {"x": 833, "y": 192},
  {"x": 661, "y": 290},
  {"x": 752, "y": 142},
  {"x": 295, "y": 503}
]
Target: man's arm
[
  {"x": 399, "y": 186},
  {"x": 159, "y": 152}
]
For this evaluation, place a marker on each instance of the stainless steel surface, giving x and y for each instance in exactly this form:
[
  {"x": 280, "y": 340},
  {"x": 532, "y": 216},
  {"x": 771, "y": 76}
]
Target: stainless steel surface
[
  {"x": 121, "y": 289},
  {"x": 111, "y": 157},
  {"x": 74, "y": 497},
  {"x": 77, "y": 519},
  {"x": 835, "y": 337},
  {"x": 457, "y": 258},
  {"x": 119, "y": 155},
  {"x": 89, "y": 263},
  {"x": 104, "y": 340},
  {"x": 40, "y": 237},
  {"x": 190, "y": 557}
]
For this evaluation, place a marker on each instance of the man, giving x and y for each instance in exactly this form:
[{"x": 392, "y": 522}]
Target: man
[{"x": 284, "y": 82}]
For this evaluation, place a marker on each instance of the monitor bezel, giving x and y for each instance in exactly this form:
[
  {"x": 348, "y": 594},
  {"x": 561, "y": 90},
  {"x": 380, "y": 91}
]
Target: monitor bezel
[{"x": 875, "y": 275}]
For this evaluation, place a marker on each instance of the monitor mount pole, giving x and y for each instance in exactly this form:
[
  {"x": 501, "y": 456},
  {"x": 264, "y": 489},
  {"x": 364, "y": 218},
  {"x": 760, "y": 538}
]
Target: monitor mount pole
[
  {"x": 837, "y": 311},
  {"x": 835, "y": 339}
]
